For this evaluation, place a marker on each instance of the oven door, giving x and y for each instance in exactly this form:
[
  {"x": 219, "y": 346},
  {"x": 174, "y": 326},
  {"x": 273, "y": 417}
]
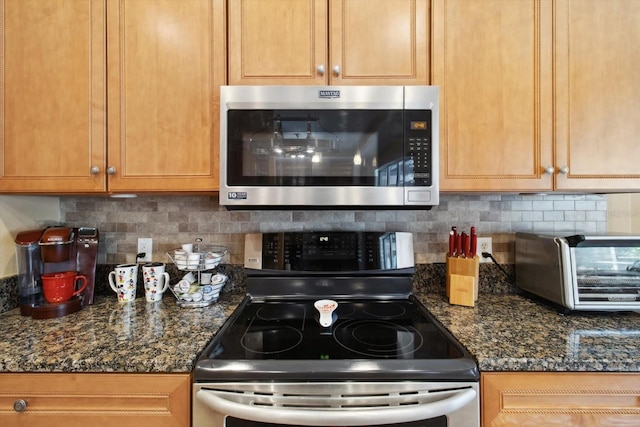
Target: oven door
[
  {"x": 288, "y": 146},
  {"x": 408, "y": 404}
]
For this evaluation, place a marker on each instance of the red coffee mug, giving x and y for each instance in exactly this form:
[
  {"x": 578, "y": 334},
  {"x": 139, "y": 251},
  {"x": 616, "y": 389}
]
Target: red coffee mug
[{"x": 60, "y": 287}]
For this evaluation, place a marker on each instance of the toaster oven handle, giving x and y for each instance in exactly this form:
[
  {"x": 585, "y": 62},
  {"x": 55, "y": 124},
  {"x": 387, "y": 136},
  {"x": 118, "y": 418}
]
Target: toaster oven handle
[{"x": 333, "y": 417}]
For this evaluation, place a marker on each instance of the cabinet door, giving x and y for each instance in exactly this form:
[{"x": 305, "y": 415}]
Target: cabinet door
[
  {"x": 104, "y": 400},
  {"x": 597, "y": 94},
  {"x": 532, "y": 399},
  {"x": 165, "y": 66},
  {"x": 52, "y": 102},
  {"x": 379, "y": 42},
  {"x": 278, "y": 42},
  {"x": 492, "y": 61}
]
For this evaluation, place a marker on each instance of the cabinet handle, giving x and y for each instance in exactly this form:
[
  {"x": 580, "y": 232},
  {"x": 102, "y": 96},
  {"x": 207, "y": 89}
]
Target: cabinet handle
[
  {"x": 95, "y": 170},
  {"x": 563, "y": 170},
  {"x": 111, "y": 170},
  {"x": 549, "y": 170},
  {"x": 19, "y": 405},
  {"x": 320, "y": 69},
  {"x": 336, "y": 70}
]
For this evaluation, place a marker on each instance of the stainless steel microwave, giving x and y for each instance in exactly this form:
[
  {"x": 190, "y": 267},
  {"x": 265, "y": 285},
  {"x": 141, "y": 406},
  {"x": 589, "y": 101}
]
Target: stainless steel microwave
[{"x": 316, "y": 147}]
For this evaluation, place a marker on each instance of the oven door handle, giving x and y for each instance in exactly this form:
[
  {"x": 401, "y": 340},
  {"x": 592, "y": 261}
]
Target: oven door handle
[{"x": 335, "y": 417}]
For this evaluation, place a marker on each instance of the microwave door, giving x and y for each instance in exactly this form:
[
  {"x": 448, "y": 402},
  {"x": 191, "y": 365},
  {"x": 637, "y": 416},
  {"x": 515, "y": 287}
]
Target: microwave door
[{"x": 315, "y": 148}]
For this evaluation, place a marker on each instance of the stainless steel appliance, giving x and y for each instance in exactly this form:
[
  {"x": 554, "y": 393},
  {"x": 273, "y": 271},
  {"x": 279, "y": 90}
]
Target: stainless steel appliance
[
  {"x": 581, "y": 271},
  {"x": 382, "y": 359},
  {"x": 340, "y": 146}
]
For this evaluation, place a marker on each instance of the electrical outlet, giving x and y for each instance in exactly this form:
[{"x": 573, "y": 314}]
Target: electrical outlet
[
  {"x": 484, "y": 245},
  {"x": 145, "y": 245}
]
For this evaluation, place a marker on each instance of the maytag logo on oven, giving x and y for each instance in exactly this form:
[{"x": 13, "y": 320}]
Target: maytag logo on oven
[{"x": 326, "y": 93}]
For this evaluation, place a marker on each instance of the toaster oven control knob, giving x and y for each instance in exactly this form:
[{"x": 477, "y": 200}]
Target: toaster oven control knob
[
  {"x": 19, "y": 405},
  {"x": 111, "y": 170},
  {"x": 94, "y": 170},
  {"x": 549, "y": 170},
  {"x": 336, "y": 70},
  {"x": 320, "y": 69},
  {"x": 563, "y": 170}
]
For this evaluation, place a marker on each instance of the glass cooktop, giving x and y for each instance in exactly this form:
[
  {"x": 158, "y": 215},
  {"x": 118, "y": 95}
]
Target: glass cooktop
[{"x": 366, "y": 337}]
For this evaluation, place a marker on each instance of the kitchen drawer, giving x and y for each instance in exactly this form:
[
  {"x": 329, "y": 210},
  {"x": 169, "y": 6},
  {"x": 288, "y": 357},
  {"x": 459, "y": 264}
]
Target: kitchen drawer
[{"x": 109, "y": 399}]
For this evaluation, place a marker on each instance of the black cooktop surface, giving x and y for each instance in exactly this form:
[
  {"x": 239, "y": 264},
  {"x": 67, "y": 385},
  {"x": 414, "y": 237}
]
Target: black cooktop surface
[{"x": 368, "y": 337}]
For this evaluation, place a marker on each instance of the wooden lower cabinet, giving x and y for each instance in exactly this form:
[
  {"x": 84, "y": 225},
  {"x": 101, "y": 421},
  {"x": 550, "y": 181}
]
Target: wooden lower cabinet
[
  {"x": 565, "y": 399},
  {"x": 110, "y": 399}
]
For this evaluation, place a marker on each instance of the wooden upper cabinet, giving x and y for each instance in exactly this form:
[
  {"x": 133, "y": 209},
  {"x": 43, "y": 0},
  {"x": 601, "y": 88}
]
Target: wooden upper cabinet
[
  {"x": 52, "y": 103},
  {"x": 492, "y": 61},
  {"x": 161, "y": 77},
  {"x": 277, "y": 41},
  {"x": 165, "y": 67},
  {"x": 597, "y": 103},
  {"x": 379, "y": 42},
  {"x": 319, "y": 42}
]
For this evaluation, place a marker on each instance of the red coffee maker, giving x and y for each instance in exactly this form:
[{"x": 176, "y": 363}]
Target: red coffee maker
[{"x": 55, "y": 249}]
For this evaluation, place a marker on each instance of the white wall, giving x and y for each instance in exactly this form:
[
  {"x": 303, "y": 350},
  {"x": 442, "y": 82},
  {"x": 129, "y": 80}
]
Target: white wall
[{"x": 19, "y": 213}]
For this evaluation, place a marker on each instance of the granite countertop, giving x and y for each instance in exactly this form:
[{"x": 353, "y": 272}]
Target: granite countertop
[
  {"x": 507, "y": 332},
  {"x": 109, "y": 336},
  {"x": 504, "y": 332}
]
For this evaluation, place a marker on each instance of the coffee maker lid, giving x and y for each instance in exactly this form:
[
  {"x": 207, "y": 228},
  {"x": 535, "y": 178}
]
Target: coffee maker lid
[
  {"x": 28, "y": 237},
  {"x": 57, "y": 236}
]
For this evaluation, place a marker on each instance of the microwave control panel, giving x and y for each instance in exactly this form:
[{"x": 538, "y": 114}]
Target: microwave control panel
[{"x": 418, "y": 129}]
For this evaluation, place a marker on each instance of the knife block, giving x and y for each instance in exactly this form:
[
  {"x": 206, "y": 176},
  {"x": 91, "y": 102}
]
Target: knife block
[{"x": 462, "y": 280}]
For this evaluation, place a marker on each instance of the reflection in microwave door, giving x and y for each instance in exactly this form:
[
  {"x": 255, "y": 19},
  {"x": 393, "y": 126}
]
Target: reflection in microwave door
[{"x": 347, "y": 154}]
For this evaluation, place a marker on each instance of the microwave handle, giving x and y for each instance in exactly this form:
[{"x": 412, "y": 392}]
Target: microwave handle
[{"x": 348, "y": 417}]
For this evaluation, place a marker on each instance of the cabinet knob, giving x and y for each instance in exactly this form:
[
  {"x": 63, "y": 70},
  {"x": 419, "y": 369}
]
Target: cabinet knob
[
  {"x": 111, "y": 170},
  {"x": 549, "y": 170},
  {"x": 19, "y": 405},
  {"x": 563, "y": 170},
  {"x": 321, "y": 69},
  {"x": 95, "y": 170},
  {"x": 336, "y": 70}
]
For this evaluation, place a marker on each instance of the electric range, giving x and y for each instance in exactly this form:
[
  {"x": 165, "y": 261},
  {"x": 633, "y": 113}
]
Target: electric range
[{"x": 276, "y": 360}]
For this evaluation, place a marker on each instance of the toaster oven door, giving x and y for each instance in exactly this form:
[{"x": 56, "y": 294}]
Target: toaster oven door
[{"x": 606, "y": 272}]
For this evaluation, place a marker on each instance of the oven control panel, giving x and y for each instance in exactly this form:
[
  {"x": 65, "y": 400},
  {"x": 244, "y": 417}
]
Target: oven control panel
[{"x": 331, "y": 251}]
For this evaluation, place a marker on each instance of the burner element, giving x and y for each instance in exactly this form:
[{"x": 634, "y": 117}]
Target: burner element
[
  {"x": 326, "y": 307},
  {"x": 378, "y": 338},
  {"x": 386, "y": 310},
  {"x": 271, "y": 341}
]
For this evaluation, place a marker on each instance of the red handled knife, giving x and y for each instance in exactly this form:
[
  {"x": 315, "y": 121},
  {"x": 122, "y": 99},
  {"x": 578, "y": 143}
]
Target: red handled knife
[
  {"x": 465, "y": 245},
  {"x": 454, "y": 234},
  {"x": 473, "y": 249},
  {"x": 452, "y": 243}
]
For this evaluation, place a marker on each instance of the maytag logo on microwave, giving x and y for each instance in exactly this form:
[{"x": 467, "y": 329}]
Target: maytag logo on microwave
[{"x": 326, "y": 93}]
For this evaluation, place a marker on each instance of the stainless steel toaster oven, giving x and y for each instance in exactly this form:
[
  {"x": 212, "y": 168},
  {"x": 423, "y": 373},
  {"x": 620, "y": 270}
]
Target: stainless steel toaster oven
[{"x": 581, "y": 271}]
